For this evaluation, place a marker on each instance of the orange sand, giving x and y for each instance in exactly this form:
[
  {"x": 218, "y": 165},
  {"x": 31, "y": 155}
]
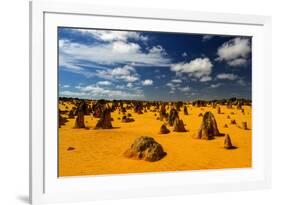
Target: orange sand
[{"x": 101, "y": 151}]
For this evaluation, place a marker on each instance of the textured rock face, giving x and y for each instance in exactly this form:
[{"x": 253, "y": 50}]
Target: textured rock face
[
  {"x": 227, "y": 142},
  {"x": 62, "y": 120},
  {"x": 145, "y": 148},
  {"x": 208, "y": 128},
  {"x": 179, "y": 126},
  {"x": 239, "y": 106},
  {"x": 97, "y": 108},
  {"x": 178, "y": 106},
  {"x": 138, "y": 108},
  {"x": 79, "y": 121},
  {"x": 229, "y": 105},
  {"x": 185, "y": 112},
  {"x": 172, "y": 116},
  {"x": 164, "y": 129},
  {"x": 105, "y": 120},
  {"x": 162, "y": 113}
]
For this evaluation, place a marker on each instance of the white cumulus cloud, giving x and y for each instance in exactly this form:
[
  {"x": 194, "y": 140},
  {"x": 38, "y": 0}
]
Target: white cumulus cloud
[
  {"x": 104, "y": 83},
  {"x": 227, "y": 76},
  {"x": 72, "y": 56},
  {"x": 198, "y": 68},
  {"x": 205, "y": 78},
  {"x": 234, "y": 52},
  {"x": 237, "y": 62},
  {"x": 126, "y": 73},
  {"x": 104, "y": 35},
  {"x": 176, "y": 81},
  {"x": 147, "y": 82},
  {"x": 95, "y": 91}
]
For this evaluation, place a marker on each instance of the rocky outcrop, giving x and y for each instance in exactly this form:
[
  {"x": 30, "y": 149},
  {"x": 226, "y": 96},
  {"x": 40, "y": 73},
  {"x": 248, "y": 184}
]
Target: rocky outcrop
[
  {"x": 208, "y": 128},
  {"x": 227, "y": 142},
  {"x": 179, "y": 126},
  {"x": 105, "y": 120},
  {"x": 164, "y": 129},
  {"x": 172, "y": 116},
  {"x": 185, "y": 111},
  {"x": 145, "y": 148}
]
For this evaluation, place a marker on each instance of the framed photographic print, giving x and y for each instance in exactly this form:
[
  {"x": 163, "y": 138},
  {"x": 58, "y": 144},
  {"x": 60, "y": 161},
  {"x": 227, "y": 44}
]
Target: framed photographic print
[{"x": 129, "y": 102}]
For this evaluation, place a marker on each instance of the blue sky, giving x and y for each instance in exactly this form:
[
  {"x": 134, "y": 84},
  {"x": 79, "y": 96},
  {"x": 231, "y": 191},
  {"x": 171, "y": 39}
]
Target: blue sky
[{"x": 110, "y": 64}]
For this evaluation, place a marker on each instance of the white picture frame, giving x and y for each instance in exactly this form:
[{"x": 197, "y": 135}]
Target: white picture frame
[{"x": 46, "y": 187}]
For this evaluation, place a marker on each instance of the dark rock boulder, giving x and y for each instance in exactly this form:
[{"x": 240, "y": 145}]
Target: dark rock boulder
[
  {"x": 172, "y": 116},
  {"x": 71, "y": 114},
  {"x": 208, "y": 128},
  {"x": 80, "y": 112},
  {"x": 179, "y": 126},
  {"x": 105, "y": 120},
  {"x": 185, "y": 112},
  {"x": 164, "y": 129},
  {"x": 127, "y": 119}
]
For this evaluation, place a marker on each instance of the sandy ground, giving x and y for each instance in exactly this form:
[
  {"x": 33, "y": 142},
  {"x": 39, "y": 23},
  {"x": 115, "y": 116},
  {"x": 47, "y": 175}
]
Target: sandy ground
[{"x": 98, "y": 152}]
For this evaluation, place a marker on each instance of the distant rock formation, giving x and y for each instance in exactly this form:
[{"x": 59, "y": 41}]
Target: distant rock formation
[
  {"x": 127, "y": 119},
  {"x": 80, "y": 111},
  {"x": 229, "y": 105},
  {"x": 185, "y": 112},
  {"x": 138, "y": 108},
  {"x": 227, "y": 142},
  {"x": 178, "y": 105},
  {"x": 145, "y": 148},
  {"x": 97, "y": 108},
  {"x": 208, "y": 128},
  {"x": 239, "y": 105},
  {"x": 123, "y": 110},
  {"x": 105, "y": 120},
  {"x": 71, "y": 114},
  {"x": 172, "y": 116},
  {"x": 164, "y": 129},
  {"x": 162, "y": 112}
]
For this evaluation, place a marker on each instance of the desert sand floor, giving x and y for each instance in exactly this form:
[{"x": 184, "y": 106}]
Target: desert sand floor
[{"x": 98, "y": 152}]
